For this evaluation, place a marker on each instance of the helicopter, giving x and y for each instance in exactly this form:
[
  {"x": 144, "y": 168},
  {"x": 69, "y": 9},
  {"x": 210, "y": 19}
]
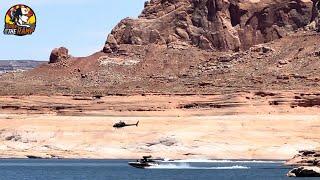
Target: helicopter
[{"x": 122, "y": 124}]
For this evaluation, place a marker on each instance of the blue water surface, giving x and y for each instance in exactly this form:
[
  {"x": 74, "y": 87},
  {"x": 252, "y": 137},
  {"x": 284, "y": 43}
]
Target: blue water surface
[{"x": 54, "y": 169}]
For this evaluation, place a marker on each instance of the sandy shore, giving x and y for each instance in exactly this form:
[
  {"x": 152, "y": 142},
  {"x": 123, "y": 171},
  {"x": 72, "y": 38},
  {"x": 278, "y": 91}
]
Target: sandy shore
[{"x": 261, "y": 132}]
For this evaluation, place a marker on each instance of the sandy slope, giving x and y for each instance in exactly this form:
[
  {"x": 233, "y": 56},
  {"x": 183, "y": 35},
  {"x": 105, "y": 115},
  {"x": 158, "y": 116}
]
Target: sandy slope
[{"x": 255, "y": 130}]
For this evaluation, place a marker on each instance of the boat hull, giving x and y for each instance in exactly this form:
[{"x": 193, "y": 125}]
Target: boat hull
[{"x": 142, "y": 165}]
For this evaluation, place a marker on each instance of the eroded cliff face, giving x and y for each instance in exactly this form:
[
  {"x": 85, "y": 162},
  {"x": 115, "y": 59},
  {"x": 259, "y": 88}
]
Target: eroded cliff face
[
  {"x": 212, "y": 24},
  {"x": 187, "y": 46}
]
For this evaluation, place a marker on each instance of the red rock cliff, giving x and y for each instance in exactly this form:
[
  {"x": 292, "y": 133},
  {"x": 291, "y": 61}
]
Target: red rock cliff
[{"x": 212, "y": 24}]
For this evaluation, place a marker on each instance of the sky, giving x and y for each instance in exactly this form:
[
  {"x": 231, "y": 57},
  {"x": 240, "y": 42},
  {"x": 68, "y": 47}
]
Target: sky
[{"x": 81, "y": 26}]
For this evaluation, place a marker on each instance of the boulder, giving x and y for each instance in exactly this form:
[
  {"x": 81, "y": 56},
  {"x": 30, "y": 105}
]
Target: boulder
[
  {"x": 262, "y": 49},
  {"x": 155, "y": 37},
  {"x": 204, "y": 43},
  {"x": 305, "y": 171},
  {"x": 59, "y": 54},
  {"x": 182, "y": 33},
  {"x": 111, "y": 44}
]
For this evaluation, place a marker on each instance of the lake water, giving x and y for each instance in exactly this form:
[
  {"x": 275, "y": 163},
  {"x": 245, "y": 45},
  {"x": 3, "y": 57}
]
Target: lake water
[{"x": 34, "y": 169}]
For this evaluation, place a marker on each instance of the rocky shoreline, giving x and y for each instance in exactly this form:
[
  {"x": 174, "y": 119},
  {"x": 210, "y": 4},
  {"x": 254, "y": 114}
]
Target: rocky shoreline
[{"x": 308, "y": 162}]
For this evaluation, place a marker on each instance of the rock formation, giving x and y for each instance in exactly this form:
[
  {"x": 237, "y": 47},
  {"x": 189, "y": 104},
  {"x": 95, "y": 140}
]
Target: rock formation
[
  {"x": 308, "y": 162},
  {"x": 305, "y": 158},
  {"x": 212, "y": 24},
  {"x": 316, "y": 12},
  {"x": 305, "y": 171},
  {"x": 59, "y": 54},
  {"x": 189, "y": 46}
]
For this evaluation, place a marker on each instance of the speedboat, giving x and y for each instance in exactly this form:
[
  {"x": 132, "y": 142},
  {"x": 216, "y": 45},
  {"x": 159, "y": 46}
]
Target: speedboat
[{"x": 146, "y": 162}]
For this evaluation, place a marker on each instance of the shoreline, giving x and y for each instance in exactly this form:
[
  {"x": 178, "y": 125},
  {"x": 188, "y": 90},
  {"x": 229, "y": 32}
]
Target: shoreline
[
  {"x": 239, "y": 128},
  {"x": 46, "y": 136},
  {"x": 174, "y": 160}
]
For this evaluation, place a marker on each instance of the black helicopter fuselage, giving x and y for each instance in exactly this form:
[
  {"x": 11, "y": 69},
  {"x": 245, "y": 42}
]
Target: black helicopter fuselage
[{"x": 123, "y": 124}]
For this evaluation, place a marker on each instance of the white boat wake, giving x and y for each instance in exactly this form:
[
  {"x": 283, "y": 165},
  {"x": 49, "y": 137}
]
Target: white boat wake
[
  {"x": 187, "y": 166},
  {"x": 221, "y": 161}
]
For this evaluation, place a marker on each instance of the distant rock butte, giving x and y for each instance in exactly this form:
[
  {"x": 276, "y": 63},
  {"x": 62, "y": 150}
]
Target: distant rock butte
[
  {"x": 59, "y": 54},
  {"x": 212, "y": 24}
]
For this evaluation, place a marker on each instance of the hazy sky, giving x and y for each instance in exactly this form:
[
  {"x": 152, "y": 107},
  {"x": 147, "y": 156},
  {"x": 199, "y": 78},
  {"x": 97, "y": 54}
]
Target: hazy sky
[{"x": 80, "y": 25}]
